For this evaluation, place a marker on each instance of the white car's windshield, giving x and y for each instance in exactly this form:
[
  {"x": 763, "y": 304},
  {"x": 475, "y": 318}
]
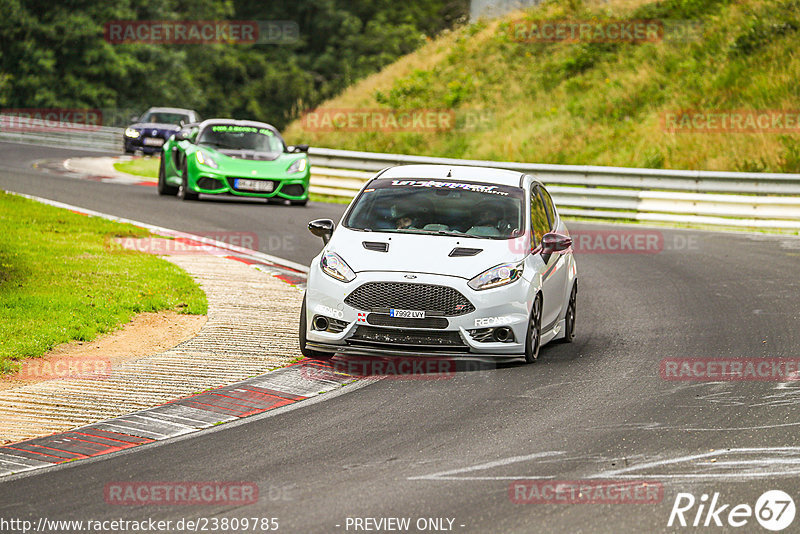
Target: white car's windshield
[{"x": 470, "y": 209}]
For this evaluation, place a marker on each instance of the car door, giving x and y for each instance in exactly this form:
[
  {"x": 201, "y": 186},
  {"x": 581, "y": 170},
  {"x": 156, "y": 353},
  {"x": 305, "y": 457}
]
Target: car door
[{"x": 554, "y": 274}]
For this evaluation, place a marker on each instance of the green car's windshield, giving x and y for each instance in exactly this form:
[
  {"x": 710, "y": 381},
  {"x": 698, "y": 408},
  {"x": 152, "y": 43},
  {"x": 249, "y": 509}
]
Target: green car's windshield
[
  {"x": 229, "y": 137},
  {"x": 422, "y": 206},
  {"x": 158, "y": 117}
]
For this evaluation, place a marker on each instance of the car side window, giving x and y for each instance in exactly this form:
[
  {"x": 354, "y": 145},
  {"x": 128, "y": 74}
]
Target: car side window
[
  {"x": 539, "y": 223},
  {"x": 549, "y": 206}
]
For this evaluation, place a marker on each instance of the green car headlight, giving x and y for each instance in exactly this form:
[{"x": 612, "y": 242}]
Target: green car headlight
[
  {"x": 298, "y": 166},
  {"x": 334, "y": 266},
  {"x": 130, "y": 132},
  {"x": 205, "y": 159},
  {"x": 497, "y": 276}
]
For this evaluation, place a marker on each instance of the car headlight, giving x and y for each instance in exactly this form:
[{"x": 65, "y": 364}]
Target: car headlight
[
  {"x": 497, "y": 276},
  {"x": 298, "y": 166},
  {"x": 205, "y": 159},
  {"x": 334, "y": 266},
  {"x": 130, "y": 132}
]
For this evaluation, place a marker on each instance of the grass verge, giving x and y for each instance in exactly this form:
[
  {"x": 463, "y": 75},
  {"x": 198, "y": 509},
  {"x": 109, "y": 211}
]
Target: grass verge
[
  {"x": 62, "y": 278},
  {"x": 147, "y": 167}
]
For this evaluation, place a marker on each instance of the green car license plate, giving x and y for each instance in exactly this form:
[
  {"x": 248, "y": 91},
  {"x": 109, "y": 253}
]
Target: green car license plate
[{"x": 262, "y": 186}]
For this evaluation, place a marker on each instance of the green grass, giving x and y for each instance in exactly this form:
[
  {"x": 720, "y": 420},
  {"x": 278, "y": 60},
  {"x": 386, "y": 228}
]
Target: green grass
[
  {"x": 62, "y": 278},
  {"x": 147, "y": 167},
  {"x": 593, "y": 103},
  {"x": 330, "y": 199}
]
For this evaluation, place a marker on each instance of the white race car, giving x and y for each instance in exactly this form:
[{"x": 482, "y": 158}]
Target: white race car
[{"x": 436, "y": 260}]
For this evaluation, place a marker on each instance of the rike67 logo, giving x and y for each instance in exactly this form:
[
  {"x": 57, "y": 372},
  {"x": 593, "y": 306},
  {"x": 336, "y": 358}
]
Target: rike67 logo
[{"x": 774, "y": 510}]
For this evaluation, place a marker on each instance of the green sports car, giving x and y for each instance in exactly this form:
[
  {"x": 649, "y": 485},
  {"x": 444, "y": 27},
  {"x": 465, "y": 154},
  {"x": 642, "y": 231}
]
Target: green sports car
[{"x": 232, "y": 157}]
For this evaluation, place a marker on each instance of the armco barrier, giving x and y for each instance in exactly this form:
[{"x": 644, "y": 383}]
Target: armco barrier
[{"x": 765, "y": 200}]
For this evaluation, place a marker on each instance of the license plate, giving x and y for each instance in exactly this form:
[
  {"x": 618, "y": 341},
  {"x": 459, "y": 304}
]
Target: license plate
[
  {"x": 254, "y": 185},
  {"x": 407, "y": 314},
  {"x": 153, "y": 141}
]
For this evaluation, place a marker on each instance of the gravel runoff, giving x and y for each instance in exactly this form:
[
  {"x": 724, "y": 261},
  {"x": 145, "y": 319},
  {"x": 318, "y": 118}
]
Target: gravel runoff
[{"x": 251, "y": 329}]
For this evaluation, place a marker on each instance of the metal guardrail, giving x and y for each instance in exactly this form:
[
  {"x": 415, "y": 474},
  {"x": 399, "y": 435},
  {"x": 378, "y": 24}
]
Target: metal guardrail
[
  {"x": 61, "y": 134},
  {"x": 765, "y": 200}
]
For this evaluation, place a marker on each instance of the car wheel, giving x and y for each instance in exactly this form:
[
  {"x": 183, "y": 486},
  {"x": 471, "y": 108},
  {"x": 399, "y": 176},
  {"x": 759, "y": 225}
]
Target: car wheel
[
  {"x": 183, "y": 190},
  {"x": 569, "y": 318},
  {"x": 533, "y": 338},
  {"x": 309, "y": 353},
  {"x": 298, "y": 202},
  {"x": 163, "y": 187}
]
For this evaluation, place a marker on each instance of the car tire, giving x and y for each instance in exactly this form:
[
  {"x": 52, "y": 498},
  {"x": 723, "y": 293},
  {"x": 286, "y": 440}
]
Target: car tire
[
  {"x": 309, "y": 353},
  {"x": 533, "y": 337},
  {"x": 183, "y": 190},
  {"x": 163, "y": 187},
  {"x": 299, "y": 202},
  {"x": 569, "y": 317}
]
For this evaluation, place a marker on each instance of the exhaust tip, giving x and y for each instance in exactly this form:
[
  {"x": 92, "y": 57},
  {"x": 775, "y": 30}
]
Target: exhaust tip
[{"x": 320, "y": 323}]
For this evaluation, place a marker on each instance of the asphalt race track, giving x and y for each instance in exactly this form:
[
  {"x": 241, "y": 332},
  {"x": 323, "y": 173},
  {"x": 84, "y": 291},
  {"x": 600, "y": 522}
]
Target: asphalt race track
[{"x": 451, "y": 447}]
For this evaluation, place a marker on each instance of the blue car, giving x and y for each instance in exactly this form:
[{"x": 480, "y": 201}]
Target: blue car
[{"x": 153, "y": 129}]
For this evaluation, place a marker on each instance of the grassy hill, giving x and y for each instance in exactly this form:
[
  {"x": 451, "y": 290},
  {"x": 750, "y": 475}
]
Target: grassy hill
[{"x": 601, "y": 103}]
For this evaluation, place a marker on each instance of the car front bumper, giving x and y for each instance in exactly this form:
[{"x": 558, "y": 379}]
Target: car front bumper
[
  {"x": 214, "y": 183},
  {"x": 373, "y": 332}
]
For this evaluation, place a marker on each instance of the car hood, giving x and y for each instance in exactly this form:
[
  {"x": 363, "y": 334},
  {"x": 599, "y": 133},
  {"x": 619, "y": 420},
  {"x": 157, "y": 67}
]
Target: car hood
[
  {"x": 248, "y": 162},
  {"x": 418, "y": 253}
]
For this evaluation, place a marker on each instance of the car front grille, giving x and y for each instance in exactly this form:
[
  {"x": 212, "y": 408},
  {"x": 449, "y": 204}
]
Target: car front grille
[
  {"x": 380, "y": 319},
  {"x": 381, "y": 296},
  {"x": 205, "y": 182},
  {"x": 408, "y": 340},
  {"x": 293, "y": 190}
]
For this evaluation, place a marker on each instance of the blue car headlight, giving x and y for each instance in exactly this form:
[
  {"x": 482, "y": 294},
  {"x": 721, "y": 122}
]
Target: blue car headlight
[
  {"x": 299, "y": 165},
  {"x": 130, "y": 132},
  {"x": 205, "y": 159},
  {"x": 334, "y": 266},
  {"x": 497, "y": 276}
]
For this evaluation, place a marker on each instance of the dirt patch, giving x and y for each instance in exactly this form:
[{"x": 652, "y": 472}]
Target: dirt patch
[{"x": 147, "y": 334}]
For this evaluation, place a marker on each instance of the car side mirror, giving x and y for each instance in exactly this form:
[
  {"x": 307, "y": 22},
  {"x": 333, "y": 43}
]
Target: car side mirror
[
  {"x": 553, "y": 242},
  {"x": 322, "y": 228},
  {"x": 297, "y": 148}
]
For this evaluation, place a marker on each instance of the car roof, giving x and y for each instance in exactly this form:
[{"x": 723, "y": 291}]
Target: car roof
[
  {"x": 172, "y": 110},
  {"x": 234, "y": 122},
  {"x": 454, "y": 173}
]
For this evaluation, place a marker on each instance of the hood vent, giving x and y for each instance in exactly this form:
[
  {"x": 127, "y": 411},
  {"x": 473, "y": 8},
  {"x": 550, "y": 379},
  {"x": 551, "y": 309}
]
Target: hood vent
[
  {"x": 460, "y": 252},
  {"x": 376, "y": 246}
]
